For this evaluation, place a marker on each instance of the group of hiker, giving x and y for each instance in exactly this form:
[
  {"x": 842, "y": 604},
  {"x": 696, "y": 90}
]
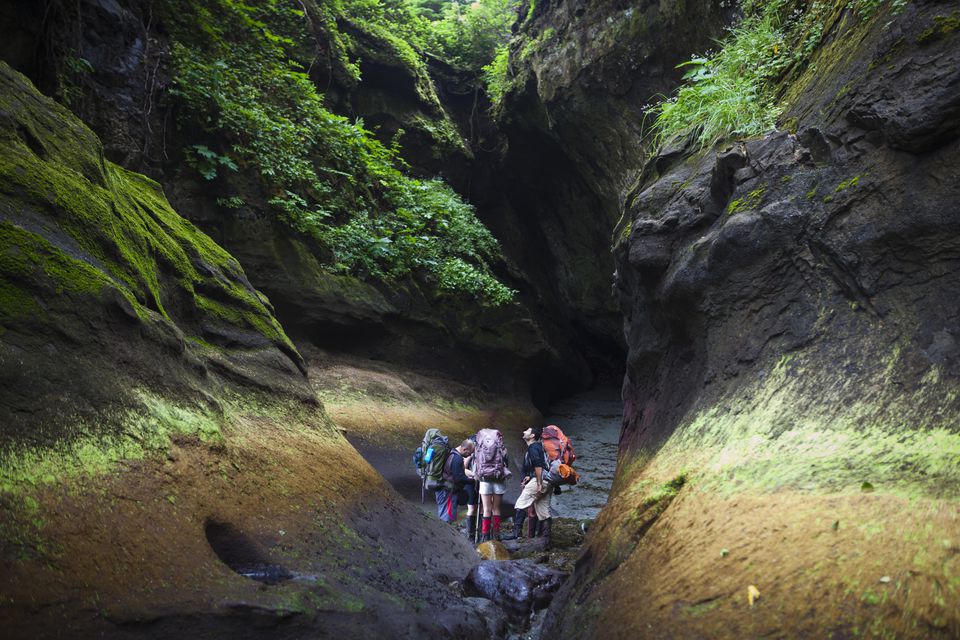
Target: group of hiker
[{"x": 476, "y": 473}]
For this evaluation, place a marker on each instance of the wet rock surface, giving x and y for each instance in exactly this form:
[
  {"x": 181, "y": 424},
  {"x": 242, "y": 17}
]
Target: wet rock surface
[
  {"x": 526, "y": 546},
  {"x": 519, "y": 586},
  {"x": 820, "y": 240},
  {"x": 86, "y": 319},
  {"x": 492, "y": 615},
  {"x": 181, "y": 471}
]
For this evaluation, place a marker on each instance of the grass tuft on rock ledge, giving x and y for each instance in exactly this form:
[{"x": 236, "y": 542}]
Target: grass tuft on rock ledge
[{"x": 733, "y": 91}]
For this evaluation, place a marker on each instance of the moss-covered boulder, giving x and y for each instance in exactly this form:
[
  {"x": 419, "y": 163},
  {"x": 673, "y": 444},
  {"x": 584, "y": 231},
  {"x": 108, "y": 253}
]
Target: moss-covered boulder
[{"x": 106, "y": 288}]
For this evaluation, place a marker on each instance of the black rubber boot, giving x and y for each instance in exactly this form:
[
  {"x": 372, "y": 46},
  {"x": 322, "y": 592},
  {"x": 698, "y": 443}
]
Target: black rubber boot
[
  {"x": 472, "y": 528},
  {"x": 543, "y": 530},
  {"x": 518, "y": 517}
]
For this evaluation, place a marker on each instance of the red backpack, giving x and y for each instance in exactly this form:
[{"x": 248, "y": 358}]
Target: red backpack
[{"x": 557, "y": 445}]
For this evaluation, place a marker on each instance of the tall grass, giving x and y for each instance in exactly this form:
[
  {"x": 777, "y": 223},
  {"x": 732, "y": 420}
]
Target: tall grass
[
  {"x": 732, "y": 92},
  {"x": 726, "y": 93}
]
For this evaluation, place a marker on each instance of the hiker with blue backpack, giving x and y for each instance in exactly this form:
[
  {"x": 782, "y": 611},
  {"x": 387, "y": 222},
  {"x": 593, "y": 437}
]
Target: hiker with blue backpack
[{"x": 442, "y": 471}]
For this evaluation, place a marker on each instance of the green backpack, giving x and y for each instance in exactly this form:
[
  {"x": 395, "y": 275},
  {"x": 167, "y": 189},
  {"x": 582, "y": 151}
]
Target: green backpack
[{"x": 436, "y": 448}]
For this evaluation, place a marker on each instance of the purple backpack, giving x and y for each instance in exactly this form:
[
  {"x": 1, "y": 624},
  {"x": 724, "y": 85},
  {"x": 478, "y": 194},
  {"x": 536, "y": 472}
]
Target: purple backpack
[{"x": 490, "y": 456}]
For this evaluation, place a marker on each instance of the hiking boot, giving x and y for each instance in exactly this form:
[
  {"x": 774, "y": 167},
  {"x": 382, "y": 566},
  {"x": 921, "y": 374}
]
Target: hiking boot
[
  {"x": 532, "y": 527},
  {"x": 485, "y": 538},
  {"x": 543, "y": 531},
  {"x": 518, "y": 517}
]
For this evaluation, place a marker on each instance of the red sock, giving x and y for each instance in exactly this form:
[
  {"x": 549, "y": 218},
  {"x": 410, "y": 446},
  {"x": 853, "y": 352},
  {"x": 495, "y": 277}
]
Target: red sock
[
  {"x": 496, "y": 523},
  {"x": 485, "y": 525}
]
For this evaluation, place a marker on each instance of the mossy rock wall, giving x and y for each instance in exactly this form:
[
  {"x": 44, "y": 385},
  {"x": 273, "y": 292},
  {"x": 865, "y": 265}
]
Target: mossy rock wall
[
  {"x": 791, "y": 306},
  {"x": 127, "y": 94},
  {"x": 160, "y": 444},
  {"x": 582, "y": 74},
  {"x": 572, "y": 128},
  {"x": 106, "y": 289}
]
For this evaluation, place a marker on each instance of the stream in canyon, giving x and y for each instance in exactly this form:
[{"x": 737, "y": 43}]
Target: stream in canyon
[{"x": 592, "y": 422}]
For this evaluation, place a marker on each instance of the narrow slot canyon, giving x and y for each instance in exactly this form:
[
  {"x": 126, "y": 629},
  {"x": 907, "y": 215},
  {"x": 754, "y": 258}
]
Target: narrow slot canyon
[{"x": 253, "y": 254}]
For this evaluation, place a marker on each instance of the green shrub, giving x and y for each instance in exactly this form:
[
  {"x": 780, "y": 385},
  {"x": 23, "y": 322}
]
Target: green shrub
[
  {"x": 456, "y": 275},
  {"x": 496, "y": 75},
  {"x": 242, "y": 85},
  {"x": 725, "y": 94},
  {"x": 470, "y": 35}
]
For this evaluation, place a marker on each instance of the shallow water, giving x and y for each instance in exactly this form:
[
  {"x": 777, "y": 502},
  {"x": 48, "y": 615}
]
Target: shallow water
[{"x": 592, "y": 422}]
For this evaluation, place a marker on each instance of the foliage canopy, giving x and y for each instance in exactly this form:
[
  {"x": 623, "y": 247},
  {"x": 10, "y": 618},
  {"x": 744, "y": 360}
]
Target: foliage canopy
[{"x": 241, "y": 74}]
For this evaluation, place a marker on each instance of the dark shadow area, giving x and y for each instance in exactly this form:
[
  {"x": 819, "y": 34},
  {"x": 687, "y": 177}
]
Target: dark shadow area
[{"x": 242, "y": 554}]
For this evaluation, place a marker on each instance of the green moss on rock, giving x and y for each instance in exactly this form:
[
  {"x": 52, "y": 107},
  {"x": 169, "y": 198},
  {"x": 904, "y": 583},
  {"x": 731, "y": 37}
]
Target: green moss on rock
[
  {"x": 942, "y": 26},
  {"x": 78, "y": 223},
  {"x": 749, "y": 202},
  {"x": 773, "y": 435}
]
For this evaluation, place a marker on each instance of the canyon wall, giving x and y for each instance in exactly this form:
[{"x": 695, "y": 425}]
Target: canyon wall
[
  {"x": 161, "y": 444},
  {"x": 790, "y": 405}
]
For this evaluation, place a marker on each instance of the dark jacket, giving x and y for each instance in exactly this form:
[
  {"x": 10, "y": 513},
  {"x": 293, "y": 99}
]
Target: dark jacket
[
  {"x": 535, "y": 457},
  {"x": 453, "y": 474}
]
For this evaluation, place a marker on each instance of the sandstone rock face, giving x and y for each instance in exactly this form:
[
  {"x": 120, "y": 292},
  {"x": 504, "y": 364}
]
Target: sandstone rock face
[
  {"x": 581, "y": 75},
  {"x": 107, "y": 60},
  {"x": 791, "y": 306},
  {"x": 584, "y": 72},
  {"x": 125, "y": 93},
  {"x": 99, "y": 270},
  {"x": 393, "y": 95},
  {"x": 743, "y": 260}
]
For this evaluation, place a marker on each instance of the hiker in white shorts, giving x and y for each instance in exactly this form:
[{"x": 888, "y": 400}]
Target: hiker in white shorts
[{"x": 492, "y": 468}]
